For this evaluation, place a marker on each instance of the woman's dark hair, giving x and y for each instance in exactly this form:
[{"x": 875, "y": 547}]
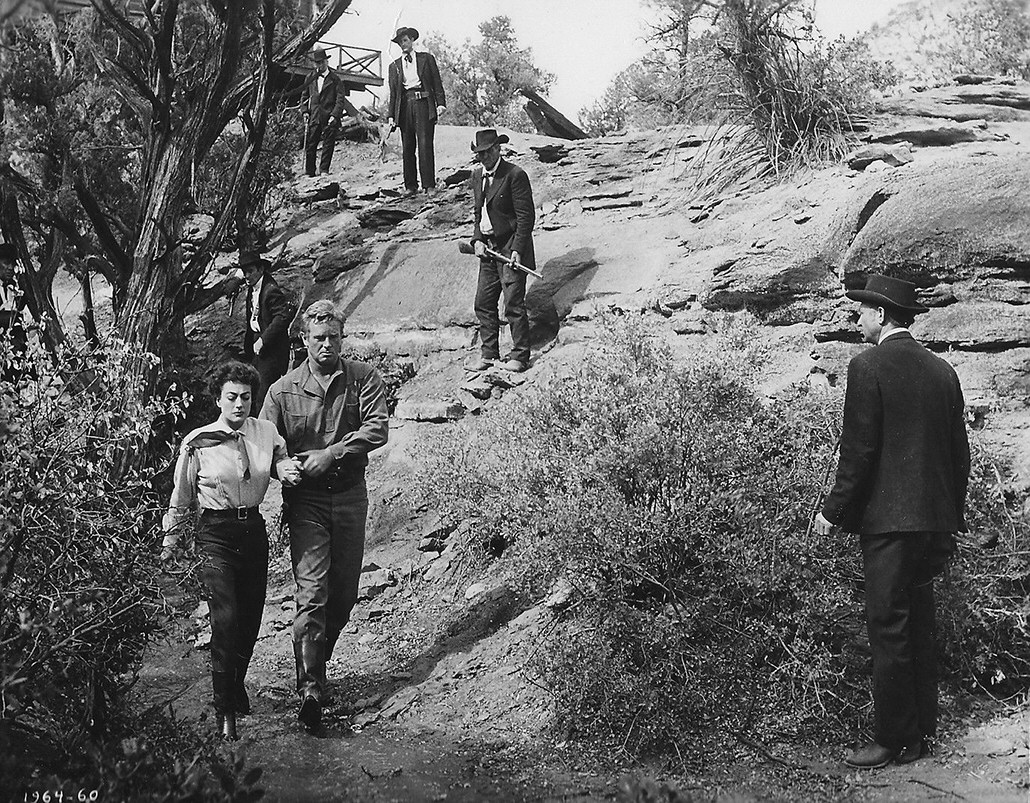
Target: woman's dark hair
[{"x": 232, "y": 371}]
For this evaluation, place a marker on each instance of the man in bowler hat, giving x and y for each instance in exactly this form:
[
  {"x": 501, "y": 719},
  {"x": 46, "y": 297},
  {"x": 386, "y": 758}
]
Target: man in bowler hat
[
  {"x": 504, "y": 217},
  {"x": 266, "y": 338},
  {"x": 901, "y": 485},
  {"x": 325, "y": 101},
  {"x": 416, "y": 101}
]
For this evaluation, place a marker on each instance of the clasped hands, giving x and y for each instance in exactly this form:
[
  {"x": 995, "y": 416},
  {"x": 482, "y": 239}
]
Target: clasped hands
[{"x": 310, "y": 462}]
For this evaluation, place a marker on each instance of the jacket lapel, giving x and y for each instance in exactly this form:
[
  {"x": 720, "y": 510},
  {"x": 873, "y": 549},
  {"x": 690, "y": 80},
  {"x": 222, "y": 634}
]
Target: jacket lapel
[{"x": 502, "y": 171}]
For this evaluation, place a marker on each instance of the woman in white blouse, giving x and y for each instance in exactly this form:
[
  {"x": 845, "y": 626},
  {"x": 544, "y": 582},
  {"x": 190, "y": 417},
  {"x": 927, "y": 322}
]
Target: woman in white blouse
[{"x": 224, "y": 469}]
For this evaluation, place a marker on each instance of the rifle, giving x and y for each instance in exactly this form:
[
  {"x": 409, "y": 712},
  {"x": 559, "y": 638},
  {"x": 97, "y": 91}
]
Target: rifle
[{"x": 469, "y": 248}]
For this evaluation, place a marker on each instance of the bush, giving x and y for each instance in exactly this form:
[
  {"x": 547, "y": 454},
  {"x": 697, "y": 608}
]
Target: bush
[
  {"x": 80, "y": 593},
  {"x": 678, "y": 504}
]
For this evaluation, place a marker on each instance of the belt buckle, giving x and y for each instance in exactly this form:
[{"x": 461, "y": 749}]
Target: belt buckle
[{"x": 241, "y": 514}]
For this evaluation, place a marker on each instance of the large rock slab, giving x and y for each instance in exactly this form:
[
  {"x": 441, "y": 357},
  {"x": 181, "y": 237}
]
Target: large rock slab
[
  {"x": 975, "y": 326},
  {"x": 956, "y": 220}
]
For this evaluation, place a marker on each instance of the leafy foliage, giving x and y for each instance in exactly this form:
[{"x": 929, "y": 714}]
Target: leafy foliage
[
  {"x": 678, "y": 504},
  {"x": 482, "y": 80},
  {"x": 80, "y": 591}
]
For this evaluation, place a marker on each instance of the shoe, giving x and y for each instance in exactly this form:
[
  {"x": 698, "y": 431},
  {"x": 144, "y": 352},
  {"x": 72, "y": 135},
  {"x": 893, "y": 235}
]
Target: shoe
[
  {"x": 911, "y": 752},
  {"x": 871, "y": 757},
  {"x": 875, "y": 756},
  {"x": 409, "y": 191},
  {"x": 479, "y": 364},
  {"x": 225, "y": 724},
  {"x": 515, "y": 366},
  {"x": 310, "y": 714}
]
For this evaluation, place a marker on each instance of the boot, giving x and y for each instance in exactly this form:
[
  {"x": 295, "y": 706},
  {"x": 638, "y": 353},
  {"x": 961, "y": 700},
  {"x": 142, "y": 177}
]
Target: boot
[
  {"x": 310, "y": 658},
  {"x": 225, "y": 716},
  {"x": 240, "y": 700}
]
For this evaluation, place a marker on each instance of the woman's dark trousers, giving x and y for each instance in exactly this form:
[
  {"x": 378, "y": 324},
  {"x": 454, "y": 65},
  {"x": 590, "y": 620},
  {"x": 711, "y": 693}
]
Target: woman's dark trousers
[{"x": 234, "y": 571}]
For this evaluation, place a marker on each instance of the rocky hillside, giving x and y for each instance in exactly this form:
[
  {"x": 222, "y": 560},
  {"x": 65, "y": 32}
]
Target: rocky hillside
[{"x": 675, "y": 224}]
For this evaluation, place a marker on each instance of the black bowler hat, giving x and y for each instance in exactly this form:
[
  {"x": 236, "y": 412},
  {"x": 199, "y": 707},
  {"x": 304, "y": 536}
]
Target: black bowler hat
[
  {"x": 886, "y": 291},
  {"x": 487, "y": 138},
  {"x": 412, "y": 32},
  {"x": 318, "y": 54}
]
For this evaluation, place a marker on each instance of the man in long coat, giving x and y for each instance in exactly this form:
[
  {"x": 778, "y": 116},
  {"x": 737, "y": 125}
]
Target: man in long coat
[
  {"x": 325, "y": 101},
  {"x": 269, "y": 311},
  {"x": 416, "y": 102},
  {"x": 901, "y": 484},
  {"x": 504, "y": 217}
]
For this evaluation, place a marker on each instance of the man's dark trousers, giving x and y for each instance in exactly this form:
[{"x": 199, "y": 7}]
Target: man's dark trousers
[
  {"x": 417, "y": 129},
  {"x": 902, "y": 635},
  {"x": 319, "y": 130},
  {"x": 493, "y": 278}
]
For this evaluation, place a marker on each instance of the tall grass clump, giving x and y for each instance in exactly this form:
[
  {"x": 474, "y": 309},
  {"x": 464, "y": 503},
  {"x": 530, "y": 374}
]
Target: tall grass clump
[
  {"x": 677, "y": 502},
  {"x": 801, "y": 94},
  {"x": 80, "y": 589}
]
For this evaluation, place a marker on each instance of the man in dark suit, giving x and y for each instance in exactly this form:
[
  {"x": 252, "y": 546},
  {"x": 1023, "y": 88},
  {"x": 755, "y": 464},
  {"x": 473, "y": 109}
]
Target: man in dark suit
[
  {"x": 416, "y": 101},
  {"x": 901, "y": 484},
  {"x": 325, "y": 100},
  {"x": 504, "y": 217},
  {"x": 266, "y": 339}
]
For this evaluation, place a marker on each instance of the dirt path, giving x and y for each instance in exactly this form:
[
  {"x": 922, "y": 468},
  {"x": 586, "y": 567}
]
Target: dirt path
[{"x": 437, "y": 731}]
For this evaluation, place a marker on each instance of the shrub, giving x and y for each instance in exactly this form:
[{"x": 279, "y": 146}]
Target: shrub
[
  {"x": 80, "y": 592},
  {"x": 678, "y": 504}
]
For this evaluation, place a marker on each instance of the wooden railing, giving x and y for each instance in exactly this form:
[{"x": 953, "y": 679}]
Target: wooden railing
[{"x": 359, "y": 65}]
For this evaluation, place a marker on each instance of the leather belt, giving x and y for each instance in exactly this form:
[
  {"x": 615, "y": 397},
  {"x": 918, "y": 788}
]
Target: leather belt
[
  {"x": 416, "y": 94},
  {"x": 234, "y": 513}
]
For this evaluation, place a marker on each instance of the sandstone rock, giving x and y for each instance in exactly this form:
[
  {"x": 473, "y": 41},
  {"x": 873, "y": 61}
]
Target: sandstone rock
[
  {"x": 941, "y": 133},
  {"x": 975, "y": 326},
  {"x": 458, "y": 177},
  {"x": 478, "y": 387},
  {"x": 895, "y": 156},
  {"x": 476, "y": 590},
  {"x": 372, "y": 584},
  {"x": 438, "y": 526},
  {"x": 550, "y": 153},
  {"x": 316, "y": 188},
  {"x": 500, "y": 378},
  {"x": 612, "y": 203},
  {"x": 429, "y": 410},
  {"x": 330, "y": 265},
  {"x": 689, "y": 322},
  {"x": 201, "y": 611},
  {"x": 968, "y": 79},
  {"x": 430, "y": 545},
  {"x": 386, "y": 216},
  {"x": 958, "y": 220}
]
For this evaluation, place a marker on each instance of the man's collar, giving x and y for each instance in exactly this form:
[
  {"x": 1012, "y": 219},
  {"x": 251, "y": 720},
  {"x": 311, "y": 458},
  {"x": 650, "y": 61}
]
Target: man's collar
[
  {"x": 491, "y": 172},
  {"x": 309, "y": 379},
  {"x": 898, "y": 330}
]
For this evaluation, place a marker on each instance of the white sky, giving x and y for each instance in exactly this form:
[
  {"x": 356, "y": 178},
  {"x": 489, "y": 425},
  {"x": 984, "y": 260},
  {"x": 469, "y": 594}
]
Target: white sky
[{"x": 583, "y": 42}]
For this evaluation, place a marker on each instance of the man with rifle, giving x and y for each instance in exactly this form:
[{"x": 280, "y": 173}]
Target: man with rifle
[{"x": 503, "y": 240}]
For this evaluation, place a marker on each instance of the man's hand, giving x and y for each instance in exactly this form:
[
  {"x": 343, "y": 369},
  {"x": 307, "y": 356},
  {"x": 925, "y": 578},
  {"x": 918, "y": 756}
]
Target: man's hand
[
  {"x": 258, "y": 345},
  {"x": 440, "y": 110},
  {"x": 480, "y": 248},
  {"x": 515, "y": 257},
  {"x": 823, "y": 526},
  {"x": 315, "y": 462},
  {"x": 289, "y": 472},
  {"x": 390, "y": 121}
]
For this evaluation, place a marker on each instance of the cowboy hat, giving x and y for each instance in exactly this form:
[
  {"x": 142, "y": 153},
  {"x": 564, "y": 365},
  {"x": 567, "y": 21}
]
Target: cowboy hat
[
  {"x": 487, "y": 138},
  {"x": 250, "y": 256},
  {"x": 886, "y": 291},
  {"x": 412, "y": 32}
]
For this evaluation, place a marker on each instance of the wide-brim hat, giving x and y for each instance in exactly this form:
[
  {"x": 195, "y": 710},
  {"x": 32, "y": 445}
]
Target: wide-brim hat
[
  {"x": 487, "y": 138},
  {"x": 886, "y": 291},
  {"x": 250, "y": 256},
  {"x": 412, "y": 32}
]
